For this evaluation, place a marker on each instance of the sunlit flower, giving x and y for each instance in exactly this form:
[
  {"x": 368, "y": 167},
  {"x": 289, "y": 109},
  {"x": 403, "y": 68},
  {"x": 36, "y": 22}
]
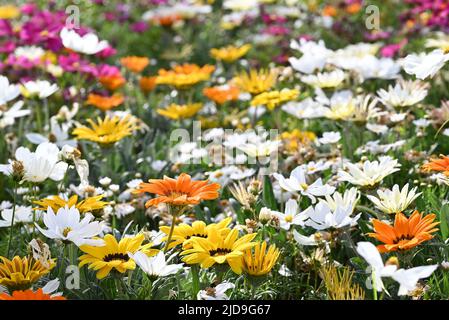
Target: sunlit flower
[
  {"x": 291, "y": 216},
  {"x": 40, "y": 88},
  {"x": 230, "y": 53},
  {"x": 441, "y": 164},
  {"x": 90, "y": 204},
  {"x": 219, "y": 249},
  {"x": 370, "y": 173},
  {"x": 182, "y": 233},
  {"x": 8, "y": 91},
  {"x": 106, "y": 131},
  {"x": 30, "y": 295},
  {"x": 105, "y": 102},
  {"x": 184, "y": 76},
  {"x": 216, "y": 293},
  {"x": 296, "y": 139},
  {"x": 155, "y": 266},
  {"x": 322, "y": 217},
  {"x": 259, "y": 261},
  {"x": 22, "y": 215},
  {"x": 135, "y": 64},
  {"x": 403, "y": 94},
  {"x": 406, "y": 233},
  {"x": 273, "y": 99},
  {"x": 181, "y": 191},
  {"x": 256, "y": 82},
  {"x": 425, "y": 65},
  {"x": 8, "y": 116},
  {"x": 147, "y": 84},
  {"x": 87, "y": 44},
  {"x": 349, "y": 198},
  {"x": 176, "y": 112},
  {"x": 20, "y": 273},
  {"x": 395, "y": 200},
  {"x": 222, "y": 94},
  {"x": 114, "y": 255},
  {"x": 326, "y": 79}
]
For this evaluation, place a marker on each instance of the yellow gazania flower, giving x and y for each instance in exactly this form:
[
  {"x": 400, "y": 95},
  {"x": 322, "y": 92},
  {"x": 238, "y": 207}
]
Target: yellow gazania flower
[
  {"x": 294, "y": 139},
  {"x": 107, "y": 131},
  {"x": 230, "y": 53},
  {"x": 256, "y": 82},
  {"x": 20, "y": 273},
  {"x": 176, "y": 111},
  {"x": 260, "y": 262},
  {"x": 114, "y": 255},
  {"x": 184, "y": 76},
  {"x": 9, "y": 12},
  {"x": 184, "y": 233},
  {"x": 219, "y": 249},
  {"x": 273, "y": 99},
  {"x": 87, "y": 205}
]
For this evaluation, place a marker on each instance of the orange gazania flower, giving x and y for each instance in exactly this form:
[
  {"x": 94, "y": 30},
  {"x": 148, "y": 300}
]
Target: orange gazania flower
[
  {"x": 147, "y": 84},
  {"x": 104, "y": 102},
  {"x": 112, "y": 82},
  {"x": 222, "y": 94},
  {"x": 441, "y": 164},
  {"x": 406, "y": 233},
  {"x": 135, "y": 64},
  {"x": 167, "y": 20},
  {"x": 353, "y": 8},
  {"x": 30, "y": 295},
  {"x": 185, "y": 75},
  {"x": 329, "y": 11},
  {"x": 179, "y": 192}
]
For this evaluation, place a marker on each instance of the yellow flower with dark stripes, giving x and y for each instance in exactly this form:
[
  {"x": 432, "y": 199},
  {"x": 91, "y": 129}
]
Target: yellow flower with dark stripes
[
  {"x": 20, "y": 273},
  {"x": 177, "y": 112},
  {"x": 114, "y": 255},
  {"x": 184, "y": 233},
  {"x": 89, "y": 204},
  {"x": 219, "y": 249},
  {"x": 259, "y": 261}
]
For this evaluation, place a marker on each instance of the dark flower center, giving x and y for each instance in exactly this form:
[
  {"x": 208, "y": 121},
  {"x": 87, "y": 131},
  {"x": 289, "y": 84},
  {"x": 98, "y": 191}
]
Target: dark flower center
[
  {"x": 116, "y": 256},
  {"x": 199, "y": 235},
  {"x": 403, "y": 237},
  {"x": 219, "y": 252}
]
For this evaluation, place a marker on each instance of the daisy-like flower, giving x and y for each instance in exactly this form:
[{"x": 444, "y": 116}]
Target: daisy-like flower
[
  {"x": 179, "y": 192},
  {"x": 349, "y": 198},
  {"x": 90, "y": 204},
  {"x": 273, "y": 99},
  {"x": 440, "y": 42},
  {"x": 66, "y": 225},
  {"x": 326, "y": 79},
  {"x": 105, "y": 103},
  {"x": 106, "y": 131},
  {"x": 407, "y": 278},
  {"x": 406, "y": 233},
  {"x": 425, "y": 65},
  {"x": 147, "y": 84},
  {"x": 184, "y": 76},
  {"x": 135, "y": 64},
  {"x": 8, "y": 116},
  {"x": 330, "y": 137},
  {"x": 219, "y": 249},
  {"x": 403, "y": 94},
  {"x": 222, "y": 94},
  {"x": 370, "y": 173},
  {"x": 40, "y": 88},
  {"x": 22, "y": 215},
  {"x": 20, "y": 273},
  {"x": 114, "y": 255},
  {"x": 322, "y": 217},
  {"x": 58, "y": 135},
  {"x": 8, "y": 91},
  {"x": 183, "y": 233},
  {"x": 394, "y": 201},
  {"x": 216, "y": 293},
  {"x": 155, "y": 266},
  {"x": 87, "y": 44},
  {"x": 441, "y": 164},
  {"x": 259, "y": 149},
  {"x": 29, "y": 294},
  {"x": 38, "y": 166},
  {"x": 230, "y": 53},
  {"x": 291, "y": 216},
  {"x": 297, "y": 183},
  {"x": 177, "y": 112},
  {"x": 256, "y": 82},
  {"x": 258, "y": 261}
]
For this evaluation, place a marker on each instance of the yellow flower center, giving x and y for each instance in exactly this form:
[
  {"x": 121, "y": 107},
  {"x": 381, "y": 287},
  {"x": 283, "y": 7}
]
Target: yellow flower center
[
  {"x": 288, "y": 218},
  {"x": 304, "y": 186},
  {"x": 66, "y": 231}
]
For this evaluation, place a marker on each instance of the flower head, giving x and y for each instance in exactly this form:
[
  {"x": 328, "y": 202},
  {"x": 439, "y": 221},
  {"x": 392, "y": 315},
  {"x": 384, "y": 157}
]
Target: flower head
[
  {"x": 87, "y": 44},
  {"x": 219, "y": 249},
  {"x": 441, "y": 164},
  {"x": 155, "y": 266},
  {"x": 105, "y": 103},
  {"x": 176, "y": 112},
  {"x": 135, "y": 64},
  {"x": 256, "y": 82},
  {"x": 179, "y": 192},
  {"x": 89, "y": 204},
  {"x": 406, "y": 233},
  {"x": 230, "y": 53},
  {"x": 114, "y": 255},
  {"x": 184, "y": 76},
  {"x": 29, "y": 294},
  {"x": 222, "y": 94},
  {"x": 107, "y": 131},
  {"x": 394, "y": 201},
  {"x": 259, "y": 261},
  {"x": 273, "y": 99}
]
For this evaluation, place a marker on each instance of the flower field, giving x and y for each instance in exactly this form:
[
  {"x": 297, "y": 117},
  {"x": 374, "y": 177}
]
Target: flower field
[{"x": 224, "y": 150}]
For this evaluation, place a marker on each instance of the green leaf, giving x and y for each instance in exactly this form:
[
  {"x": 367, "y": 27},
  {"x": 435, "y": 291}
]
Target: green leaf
[
  {"x": 444, "y": 218},
  {"x": 268, "y": 194}
]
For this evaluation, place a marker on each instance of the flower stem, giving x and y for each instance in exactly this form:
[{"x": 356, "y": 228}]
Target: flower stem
[
  {"x": 170, "y": 235},
  {"x": 12, "y": 219},
  {"x": 195, "y": 280}
]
